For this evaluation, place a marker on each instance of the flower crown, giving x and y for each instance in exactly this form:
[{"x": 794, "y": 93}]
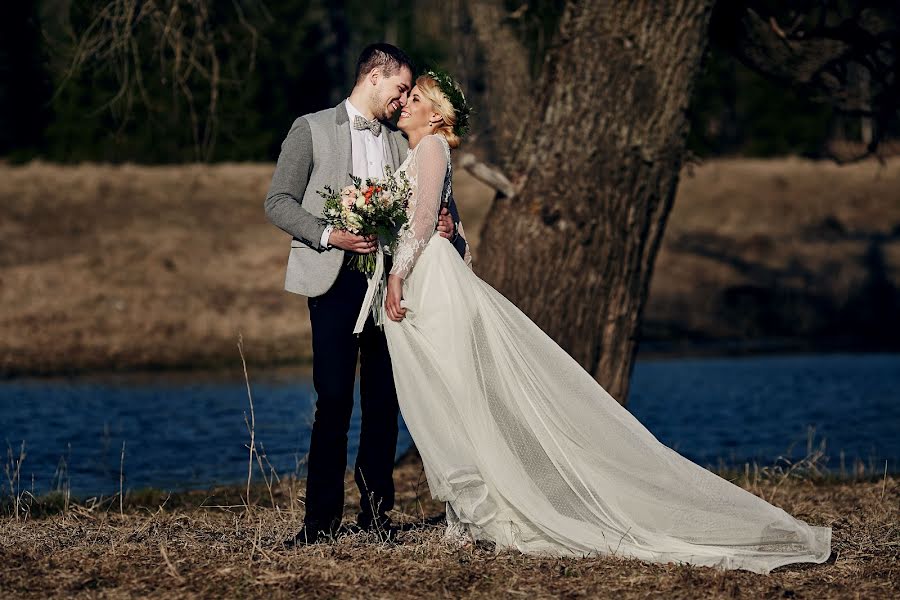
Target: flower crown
[{"x": 454, "y": 94}]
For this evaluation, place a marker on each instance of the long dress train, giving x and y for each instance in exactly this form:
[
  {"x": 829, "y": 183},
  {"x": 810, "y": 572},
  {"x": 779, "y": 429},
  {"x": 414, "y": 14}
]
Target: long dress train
[{"x": 527, "y": 449}]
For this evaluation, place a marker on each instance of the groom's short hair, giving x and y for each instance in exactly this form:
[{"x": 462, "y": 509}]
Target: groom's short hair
[{"x": 388, "y": 57}]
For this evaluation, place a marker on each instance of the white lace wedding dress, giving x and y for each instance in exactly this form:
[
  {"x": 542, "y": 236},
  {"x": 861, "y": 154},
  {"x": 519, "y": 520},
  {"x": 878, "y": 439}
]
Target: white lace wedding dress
[{"x": 527, "y": 449}]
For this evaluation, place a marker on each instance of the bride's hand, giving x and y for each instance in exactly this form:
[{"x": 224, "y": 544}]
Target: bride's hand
[{"x": 394, "y": 295}]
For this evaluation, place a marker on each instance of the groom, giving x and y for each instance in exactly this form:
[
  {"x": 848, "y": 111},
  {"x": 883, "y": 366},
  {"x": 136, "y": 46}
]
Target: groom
[{"x": 321, "y": 149}]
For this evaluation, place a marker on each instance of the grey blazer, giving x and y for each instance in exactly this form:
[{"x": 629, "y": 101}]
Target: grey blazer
[{"x": 316, "y": 153}]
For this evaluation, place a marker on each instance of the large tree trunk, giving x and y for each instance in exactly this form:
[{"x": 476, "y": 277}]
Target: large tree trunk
[{"x": 597, "y": 168}]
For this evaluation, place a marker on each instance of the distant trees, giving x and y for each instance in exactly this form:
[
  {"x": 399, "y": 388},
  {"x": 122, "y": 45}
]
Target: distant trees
[
  {"x": 25, "y": 87},
  {"x": 189, "y": 80},
  {"x": 78, "y": 93},
  {"x": 160, "y": 72}
]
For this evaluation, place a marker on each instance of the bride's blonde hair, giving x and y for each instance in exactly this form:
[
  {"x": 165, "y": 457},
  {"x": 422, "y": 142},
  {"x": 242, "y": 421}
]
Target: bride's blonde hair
[{"x": 442, "y": 105}]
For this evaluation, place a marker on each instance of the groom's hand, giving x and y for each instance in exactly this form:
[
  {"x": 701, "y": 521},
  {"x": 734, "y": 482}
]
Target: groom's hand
[
  {"x": 446, "y": 227},
  {"x": 343, "y": 239}
]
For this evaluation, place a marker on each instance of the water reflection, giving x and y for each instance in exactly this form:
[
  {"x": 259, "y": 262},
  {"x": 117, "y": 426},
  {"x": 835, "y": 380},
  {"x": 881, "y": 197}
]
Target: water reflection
[{"x": 188, "y": 430}]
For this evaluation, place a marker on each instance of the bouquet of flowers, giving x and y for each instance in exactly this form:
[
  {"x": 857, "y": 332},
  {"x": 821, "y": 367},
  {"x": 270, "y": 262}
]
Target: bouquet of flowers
[{"x": 374, "y": 207}]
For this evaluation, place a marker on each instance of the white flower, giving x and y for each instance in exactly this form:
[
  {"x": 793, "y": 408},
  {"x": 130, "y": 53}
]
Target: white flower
[{"x": 348, "y": 195}]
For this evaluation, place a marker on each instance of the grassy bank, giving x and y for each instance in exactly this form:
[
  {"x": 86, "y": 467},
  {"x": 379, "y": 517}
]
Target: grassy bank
[
  {"x": 216, "y": 544},
  {"x": 129, "y": 267}
]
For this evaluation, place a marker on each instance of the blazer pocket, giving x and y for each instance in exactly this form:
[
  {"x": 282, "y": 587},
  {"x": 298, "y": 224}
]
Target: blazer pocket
[{"x": 295, "y": 243}]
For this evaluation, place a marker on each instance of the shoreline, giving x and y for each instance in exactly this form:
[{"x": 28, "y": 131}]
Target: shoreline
[
  {"x": 650, "y": 350},
  {"x": 231, "y": 492},
  {"x": 47, "y": 504},
  {"x": 808, "y": 471}
]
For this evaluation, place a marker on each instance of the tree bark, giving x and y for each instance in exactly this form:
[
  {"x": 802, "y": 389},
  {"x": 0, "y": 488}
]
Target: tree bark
[
  {"x": 506, "y": 94},
  {"x": 597, "y": 168}
]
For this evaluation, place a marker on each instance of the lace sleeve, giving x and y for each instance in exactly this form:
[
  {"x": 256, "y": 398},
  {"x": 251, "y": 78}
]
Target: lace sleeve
[{"x": 427, "y": 172}]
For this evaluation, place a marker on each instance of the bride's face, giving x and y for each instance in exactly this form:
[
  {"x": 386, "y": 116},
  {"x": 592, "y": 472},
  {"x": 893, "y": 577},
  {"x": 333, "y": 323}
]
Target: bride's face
[{"x": 418, "y": 114}]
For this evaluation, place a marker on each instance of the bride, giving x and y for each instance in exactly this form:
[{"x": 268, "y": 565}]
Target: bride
[{"x": 524, "y": 446}]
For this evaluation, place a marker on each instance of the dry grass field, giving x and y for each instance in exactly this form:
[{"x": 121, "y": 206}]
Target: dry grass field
[
  {"x": 133, "y": 267},
  {"x": 795, "y": 249},
  {"x": 215, "y": 545}
]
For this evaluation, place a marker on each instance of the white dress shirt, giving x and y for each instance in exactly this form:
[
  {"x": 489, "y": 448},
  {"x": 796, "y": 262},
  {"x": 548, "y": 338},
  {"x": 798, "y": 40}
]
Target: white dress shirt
[{"x": 367, "y": 153}]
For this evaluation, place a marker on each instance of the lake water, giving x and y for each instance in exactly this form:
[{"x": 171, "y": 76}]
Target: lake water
[{"x": 188, "y": 431}]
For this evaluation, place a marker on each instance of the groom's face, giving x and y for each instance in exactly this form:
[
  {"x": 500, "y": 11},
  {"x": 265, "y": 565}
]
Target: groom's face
[{"x": 391, "y": 93}]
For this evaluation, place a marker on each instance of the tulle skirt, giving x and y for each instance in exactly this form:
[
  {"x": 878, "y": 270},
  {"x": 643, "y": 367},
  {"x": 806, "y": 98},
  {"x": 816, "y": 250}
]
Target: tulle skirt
[{"x": 530, "y": 452}]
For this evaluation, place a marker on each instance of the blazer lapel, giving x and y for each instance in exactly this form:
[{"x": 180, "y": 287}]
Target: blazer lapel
[
  {"x": 399, "y": 148},
  {"x": 403, "y": 145},
  {"x": 344, "y": 147}
]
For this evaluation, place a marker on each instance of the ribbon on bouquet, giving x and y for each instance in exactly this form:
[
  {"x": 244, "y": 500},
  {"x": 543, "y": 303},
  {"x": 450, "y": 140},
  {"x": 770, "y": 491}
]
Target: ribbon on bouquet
[{"x": 374, "y": 299}]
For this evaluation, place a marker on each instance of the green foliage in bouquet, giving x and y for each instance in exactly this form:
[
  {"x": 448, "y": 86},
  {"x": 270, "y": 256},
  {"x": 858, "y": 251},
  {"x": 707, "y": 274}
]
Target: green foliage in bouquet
[{"x": 376, "y": 206}]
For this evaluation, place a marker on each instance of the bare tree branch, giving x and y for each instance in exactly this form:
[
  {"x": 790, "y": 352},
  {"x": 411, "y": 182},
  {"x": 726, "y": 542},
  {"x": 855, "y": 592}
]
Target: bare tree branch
[
  {"x": 178, "y": 42},
  {"x": 487, "y": 174}
]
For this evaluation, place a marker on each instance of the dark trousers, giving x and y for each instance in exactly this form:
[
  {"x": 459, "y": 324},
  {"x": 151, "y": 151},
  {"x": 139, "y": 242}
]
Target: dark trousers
[{"x": 335, "y": 353}]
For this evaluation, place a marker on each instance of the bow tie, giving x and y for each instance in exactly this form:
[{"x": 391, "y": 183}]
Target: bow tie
[{"x": 360, "y": 122}]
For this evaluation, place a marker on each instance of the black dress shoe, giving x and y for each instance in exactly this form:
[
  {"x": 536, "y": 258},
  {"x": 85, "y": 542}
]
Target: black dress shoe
[
  {"x": 381, "y": 527},
  {"x": 370, "y": 523},
  {"x": 308, "y": 536},
  {"x": 386, "y": 534},
  {"x": 350, "y": 529}
]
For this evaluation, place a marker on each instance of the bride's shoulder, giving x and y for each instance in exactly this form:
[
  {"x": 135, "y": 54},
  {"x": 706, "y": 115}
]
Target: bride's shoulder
[
  {"x": 434, "y": 144},
  {"x": 440, "y": 139}
]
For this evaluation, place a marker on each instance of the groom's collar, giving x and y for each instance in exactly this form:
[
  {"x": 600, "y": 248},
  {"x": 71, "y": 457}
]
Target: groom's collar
[
  {"x": 341, "y": 116},
  {"x": 352, "y": 111}
]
